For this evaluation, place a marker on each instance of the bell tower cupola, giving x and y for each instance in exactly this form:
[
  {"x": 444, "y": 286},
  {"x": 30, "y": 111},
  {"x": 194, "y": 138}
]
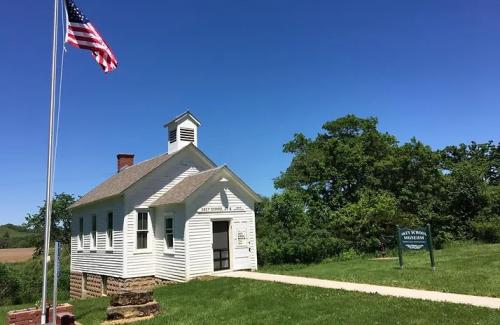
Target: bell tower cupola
[{"x": 181, "y": 131}]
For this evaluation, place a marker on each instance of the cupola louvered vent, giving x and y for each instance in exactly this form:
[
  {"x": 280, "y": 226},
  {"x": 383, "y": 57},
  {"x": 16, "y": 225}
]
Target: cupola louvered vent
[
  {"x": 172, "y": 135},
  {"x": 187, "y": 134},
  {"x": 182, "y": 132}
]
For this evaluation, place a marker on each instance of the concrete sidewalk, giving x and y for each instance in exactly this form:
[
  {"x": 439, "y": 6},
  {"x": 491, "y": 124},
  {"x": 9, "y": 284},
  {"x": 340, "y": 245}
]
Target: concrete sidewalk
[{"x": 369, "y": 288}]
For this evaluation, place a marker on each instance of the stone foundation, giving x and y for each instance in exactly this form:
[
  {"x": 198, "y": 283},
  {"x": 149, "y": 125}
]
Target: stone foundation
[
  {"x": 142, "y": 283},
  {"x": 75, "y": 285},
  {"x": 93, "y": 285},
  {"x": 83, "y": 285}
]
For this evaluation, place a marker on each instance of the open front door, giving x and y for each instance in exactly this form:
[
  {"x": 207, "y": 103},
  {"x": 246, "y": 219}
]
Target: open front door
[
  {"x": 241, "y": 244},
  {"x": 220, "y": 231}
]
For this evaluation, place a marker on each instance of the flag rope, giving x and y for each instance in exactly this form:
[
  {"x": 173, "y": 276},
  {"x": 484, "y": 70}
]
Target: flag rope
[
  {"x": 50, "y": 151},
  {"x": 59, "y": 95}
]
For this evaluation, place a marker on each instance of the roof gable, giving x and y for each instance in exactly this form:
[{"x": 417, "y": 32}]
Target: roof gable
[
  {"x": 118, "y": 183},
  {"x": 184, "y": 116},
  {"x": 189, "y": 185}
]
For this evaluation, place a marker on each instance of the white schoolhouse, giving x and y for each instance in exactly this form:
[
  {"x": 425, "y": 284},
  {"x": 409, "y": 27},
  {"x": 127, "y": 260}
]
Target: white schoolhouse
[{"x": 173, "y": 217}]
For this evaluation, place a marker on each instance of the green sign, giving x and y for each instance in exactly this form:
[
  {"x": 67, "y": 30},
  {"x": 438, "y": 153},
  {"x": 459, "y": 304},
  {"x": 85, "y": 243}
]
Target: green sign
[{"x": 414, "y": 239}]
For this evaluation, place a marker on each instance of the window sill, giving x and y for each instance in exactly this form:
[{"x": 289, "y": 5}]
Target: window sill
[
  {"x": 169, "y": 252},
  {"x": 109, "y": 250},
  {"x": 79, "y": 250},
  {"x": 93, "y": 250},
  {"x": 143, "y": 251}
]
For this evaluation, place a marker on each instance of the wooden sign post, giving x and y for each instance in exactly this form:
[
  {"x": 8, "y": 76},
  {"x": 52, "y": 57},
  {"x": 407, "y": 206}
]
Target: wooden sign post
[{"x": 415, "y": 239}]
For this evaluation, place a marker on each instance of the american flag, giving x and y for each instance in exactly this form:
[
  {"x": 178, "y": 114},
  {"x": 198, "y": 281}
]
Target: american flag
[{"x": 82, "y": 34}]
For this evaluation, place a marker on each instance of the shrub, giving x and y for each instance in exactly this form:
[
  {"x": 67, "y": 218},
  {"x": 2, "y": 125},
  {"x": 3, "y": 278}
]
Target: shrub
[
  {"x": 488, "y": 230},
  {"x": 9, "y": 286},
  {"x": 366, "y": 223},
  {"x": 311, "y": 247},
  {"x": 22, "y": 282}
]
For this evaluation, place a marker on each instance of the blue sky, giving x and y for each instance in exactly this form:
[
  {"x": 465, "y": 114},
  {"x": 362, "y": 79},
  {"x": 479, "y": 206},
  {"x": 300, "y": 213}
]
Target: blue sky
[{"x": 254, "y": 73}]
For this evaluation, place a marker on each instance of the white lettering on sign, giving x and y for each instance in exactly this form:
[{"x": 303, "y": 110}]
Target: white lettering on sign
[
  {"x": 221, "y": 209},
  {"x": 413, "y": 232},
  {"x": 414, "y": 235},
  {"x": 416, "y": 247}
]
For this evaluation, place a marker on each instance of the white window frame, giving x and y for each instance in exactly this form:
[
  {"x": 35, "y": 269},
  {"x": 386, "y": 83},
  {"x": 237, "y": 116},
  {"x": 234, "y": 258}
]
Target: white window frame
[
  {"x": 80, "y": 233},
  {"x": 93, "y": 233},
  {"x": 169, "y": 250},
  {"x": 110, "y": 232},
  {"x": 147, "y": 230}
]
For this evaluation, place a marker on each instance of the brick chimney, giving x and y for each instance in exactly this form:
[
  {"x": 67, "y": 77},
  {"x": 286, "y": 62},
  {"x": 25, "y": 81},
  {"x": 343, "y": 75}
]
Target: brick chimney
[{"x": 124, "y": 160}]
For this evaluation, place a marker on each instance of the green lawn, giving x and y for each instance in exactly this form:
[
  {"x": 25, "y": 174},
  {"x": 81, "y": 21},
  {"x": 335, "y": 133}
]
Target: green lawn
[
  {"x": 462, "y": 268},
  {"x": 240, "y": 301}
]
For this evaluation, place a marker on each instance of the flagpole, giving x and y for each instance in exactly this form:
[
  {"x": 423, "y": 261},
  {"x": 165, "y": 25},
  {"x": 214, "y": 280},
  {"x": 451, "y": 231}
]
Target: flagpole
[{"x": 50, "y": 164}]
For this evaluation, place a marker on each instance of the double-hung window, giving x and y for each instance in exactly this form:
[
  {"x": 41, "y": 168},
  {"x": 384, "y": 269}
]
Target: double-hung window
[
  {"x": 169, "y": 233},
  {"x": 80, "y": 233},
  {"x": 109, "y": 231},
  {"x": 142, "y": 230},
  {"x": 93, "y": 233}
]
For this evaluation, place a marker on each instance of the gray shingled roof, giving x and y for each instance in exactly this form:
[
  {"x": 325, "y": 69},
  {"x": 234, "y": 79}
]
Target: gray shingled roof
[
  {"x": 186, "y": 187},
  {"x": 118, "y": 183}
]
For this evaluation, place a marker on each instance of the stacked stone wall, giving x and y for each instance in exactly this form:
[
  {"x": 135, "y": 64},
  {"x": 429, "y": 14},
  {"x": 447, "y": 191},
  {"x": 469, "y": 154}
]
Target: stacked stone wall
[
  {"x": 93, "y": 285},
  {"x": 75, "y": 285},
  {"x": 162, "y": 282},
  {"x": 140, "y": 283},
  {"x": 114, "y": 285}
]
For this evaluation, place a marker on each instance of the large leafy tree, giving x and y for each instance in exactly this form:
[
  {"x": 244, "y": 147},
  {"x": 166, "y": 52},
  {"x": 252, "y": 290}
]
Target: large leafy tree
[
  {"x": 472, "y": 187},
  {"x": 352, "y": 165},
  {"x": 354, "y": 183},
  {"x": 484, "y": 156},
  {"x": 334, "y": 167},
  {"x": 60, "y": 221}
]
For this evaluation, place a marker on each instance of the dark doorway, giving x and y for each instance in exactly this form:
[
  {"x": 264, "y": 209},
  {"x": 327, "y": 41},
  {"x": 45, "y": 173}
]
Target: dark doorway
[{"x": 220, "y": 230}]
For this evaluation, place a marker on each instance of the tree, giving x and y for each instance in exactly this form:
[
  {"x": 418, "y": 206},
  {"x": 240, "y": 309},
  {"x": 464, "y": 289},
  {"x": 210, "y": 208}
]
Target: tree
[
  {"x": 472, "y": 189},
  {"x": 332, "y": 168},
  {"x": 60, "y": 222},
  {"x": 352, "y": 184},
  {"x": 485, "y": 156},
  {"x": 4, "y": 242}
]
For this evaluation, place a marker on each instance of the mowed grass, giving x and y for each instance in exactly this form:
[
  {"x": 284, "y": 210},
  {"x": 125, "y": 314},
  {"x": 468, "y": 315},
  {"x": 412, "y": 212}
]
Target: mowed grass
[
  {"x": 241, "y": 301},
  {"x": 467, "y": 268}
]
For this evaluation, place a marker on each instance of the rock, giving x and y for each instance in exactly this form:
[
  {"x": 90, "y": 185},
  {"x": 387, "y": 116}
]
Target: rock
[
  {"x": 131, "y": 298},
  {"x": 122, "y": 312}
]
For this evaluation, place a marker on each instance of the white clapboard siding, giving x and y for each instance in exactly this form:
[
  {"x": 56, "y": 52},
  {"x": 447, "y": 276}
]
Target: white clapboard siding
[
  {"x": 170, "y": 265},
  {"x": 139, "y": 196},
  {"x": 199, "y": 225},
  {"x": 101, "y": 260},
  {"x": 192, "y": 255}
]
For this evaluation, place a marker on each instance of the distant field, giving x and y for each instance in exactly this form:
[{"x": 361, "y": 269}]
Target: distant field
[
  {"x": 469, "y": 268},
  {"x": 14, "y": 255}
]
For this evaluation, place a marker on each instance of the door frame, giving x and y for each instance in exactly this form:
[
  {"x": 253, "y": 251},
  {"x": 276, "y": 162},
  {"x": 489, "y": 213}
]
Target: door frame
[{"x": 229, "y": 238}]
